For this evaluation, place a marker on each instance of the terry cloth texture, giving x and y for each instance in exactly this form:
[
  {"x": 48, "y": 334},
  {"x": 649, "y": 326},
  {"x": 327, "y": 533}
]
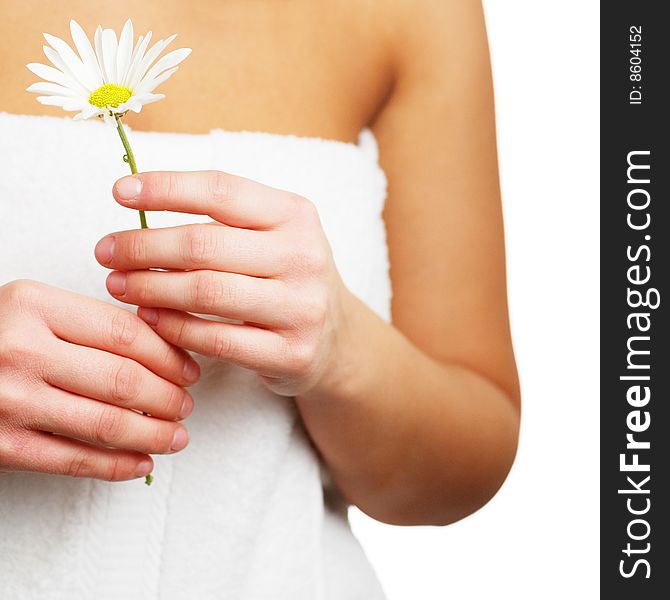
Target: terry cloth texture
[{"x": 246, "y": 511}]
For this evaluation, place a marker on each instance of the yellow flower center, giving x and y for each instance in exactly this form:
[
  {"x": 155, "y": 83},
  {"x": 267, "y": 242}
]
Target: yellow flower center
[{"x": 109, "y": 94}]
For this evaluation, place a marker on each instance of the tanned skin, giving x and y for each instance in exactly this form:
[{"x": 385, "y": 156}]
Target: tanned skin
[{"x": 420, "y": 423}]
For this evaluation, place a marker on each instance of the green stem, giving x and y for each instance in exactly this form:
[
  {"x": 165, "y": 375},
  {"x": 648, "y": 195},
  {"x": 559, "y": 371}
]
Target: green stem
[{"x": 130, "y": 159}]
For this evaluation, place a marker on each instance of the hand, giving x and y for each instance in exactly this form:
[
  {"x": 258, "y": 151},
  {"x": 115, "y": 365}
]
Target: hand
[
  {"x": 81, "y": 369},
  {"x": 265, "y": 261}
]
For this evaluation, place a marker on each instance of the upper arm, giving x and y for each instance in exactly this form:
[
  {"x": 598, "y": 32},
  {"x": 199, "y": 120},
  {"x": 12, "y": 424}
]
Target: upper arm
[{"x": 443, "y": 215}]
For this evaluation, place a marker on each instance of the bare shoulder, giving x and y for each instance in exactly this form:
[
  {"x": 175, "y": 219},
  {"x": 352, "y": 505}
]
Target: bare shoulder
[
  {"x": 420, "y": 30},
  {"x": 443, "y": 213}
]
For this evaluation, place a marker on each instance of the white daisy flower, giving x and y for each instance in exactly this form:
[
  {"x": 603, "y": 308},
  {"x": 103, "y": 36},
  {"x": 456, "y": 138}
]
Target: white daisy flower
[{"x": 115, "y": 77}]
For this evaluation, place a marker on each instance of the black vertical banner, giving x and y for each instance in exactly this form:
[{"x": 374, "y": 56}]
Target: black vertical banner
[{"x": 635, "y": 301}]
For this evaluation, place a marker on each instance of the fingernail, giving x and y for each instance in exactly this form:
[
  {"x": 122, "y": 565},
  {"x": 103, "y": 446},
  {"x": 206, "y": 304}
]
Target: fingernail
[
  {"x": 148, "y": 315},
  {"x": 128, "y": 187},
  {"x": 144, "y": 467},
  {"x": 179, "y": 440},
  {"x": 104, "y": 250},
  {"x": 186, "y": 407},
  {"x": 191, "y": 371},
  {"x": 116, "y": 283}
]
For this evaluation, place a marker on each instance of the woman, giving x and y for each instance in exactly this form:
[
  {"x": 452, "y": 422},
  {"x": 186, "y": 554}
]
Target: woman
[{"x": 315, "y": 388}]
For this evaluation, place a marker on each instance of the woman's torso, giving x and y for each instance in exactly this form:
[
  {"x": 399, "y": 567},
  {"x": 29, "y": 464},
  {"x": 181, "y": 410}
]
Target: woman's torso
[{"x": 241, "y": 513}]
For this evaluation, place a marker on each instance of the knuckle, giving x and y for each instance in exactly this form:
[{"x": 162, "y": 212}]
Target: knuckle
[
  {"x": 220, "y": 345},
  {"x": 315, "y": 308},
  {"x": 171, "y": 359},
  {"x": 318, "y": 258},
  {"x": 143, "y": 287},
  {"x": 200, "y": 244},
  {"x": 208, "y": 290},
  {"x": 169, "y": 185},
  {"x": 220, "y": 186},
  {"x": 18, "y": 351},
  {"x": 136, "y": 247},
  {"x": 13, "y": 349},
  {"x": 305, "y": 209},
  {"x": 80, "y": 464},
  {"x": 181, "y": 333},
  {"x": 176, "y": 397},
  {"x": 109, "y": 426},
  {"x": 309, "y": 260},
  {"x": 161, "y": 439},
  {"x": 113, "y": 469},
  {"x": 21, "y": 293},
  {"x": 124, "y": 328},
  {"x": 301, "y": 357},
  {"x": 125, "y": 384}
]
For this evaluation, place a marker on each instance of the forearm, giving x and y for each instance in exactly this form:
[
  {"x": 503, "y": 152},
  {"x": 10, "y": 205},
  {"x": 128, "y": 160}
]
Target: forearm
[{"x": 407, "y": 439}]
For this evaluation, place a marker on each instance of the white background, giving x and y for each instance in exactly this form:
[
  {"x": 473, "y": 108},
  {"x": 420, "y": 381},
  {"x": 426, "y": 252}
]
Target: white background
[{"x": 538, "y": 538}]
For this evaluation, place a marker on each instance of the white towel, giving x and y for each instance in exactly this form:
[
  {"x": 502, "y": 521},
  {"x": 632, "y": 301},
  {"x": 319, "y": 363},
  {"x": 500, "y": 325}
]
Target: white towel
[{"x": 240, "y": 513}]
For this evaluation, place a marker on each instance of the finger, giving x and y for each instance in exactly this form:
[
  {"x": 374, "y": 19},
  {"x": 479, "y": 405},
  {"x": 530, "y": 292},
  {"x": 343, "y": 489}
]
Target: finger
[
  {"x": 116, "y": 380},
  {"x": 203, "y": 246},
  {"x": 96, "y": 324},
  {"x": 225, "y": 198},
  {"x": 104, "y": 424},
  {"x": 45, "y": 453},
  {"x": 229, "y": 295},
  {"x": 250, "y": 347}
]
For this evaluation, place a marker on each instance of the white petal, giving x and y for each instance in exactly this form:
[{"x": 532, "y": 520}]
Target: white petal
[
  {"x": 65, "y": 103},
  {"x": 53, "y": 100},
  {"x": 147, "y": 61},
  {"x": 97, "y": 40},
  {"x": 138, "y": 55},
  {"x": 71, "y": 61},
  {"x": 133, "y": 104},
  {"x": 109, "y": 49},
  {"x": 169, "y": 40},
  {"x": 171, "y": 59},
  {"x": 50, "y": 74},
  {"x": 57, "y": 62},
  {"x": 109, "y": 119},
  {"x": 150, "y": 98},
  {"x": 147, "y": 85},
  {"x": 52, "y": 89},
  {"x": 87, "y": 112},
  {"x": 87, "y": 54},
  {"x": 125, "y": 51}
]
